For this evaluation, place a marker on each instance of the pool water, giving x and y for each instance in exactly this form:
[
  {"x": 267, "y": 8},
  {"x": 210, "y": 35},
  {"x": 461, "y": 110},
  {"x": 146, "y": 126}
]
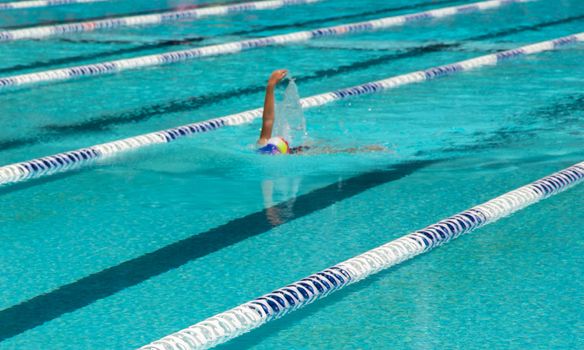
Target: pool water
[{"x": 126, "y": 251}]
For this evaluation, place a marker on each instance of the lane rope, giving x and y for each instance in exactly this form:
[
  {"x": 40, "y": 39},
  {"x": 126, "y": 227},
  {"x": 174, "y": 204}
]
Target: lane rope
[
  {"x": 66, "y": 161},
  {"x": 239, "y": 46},
  {"x": 144, "y": 20},
  {"x": 253, "y": 314},
  {"x": 42, "y": 3}
]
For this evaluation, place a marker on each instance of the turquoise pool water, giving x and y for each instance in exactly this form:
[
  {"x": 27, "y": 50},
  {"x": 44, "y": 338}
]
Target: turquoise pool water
[{"x": 86, "y": 262}]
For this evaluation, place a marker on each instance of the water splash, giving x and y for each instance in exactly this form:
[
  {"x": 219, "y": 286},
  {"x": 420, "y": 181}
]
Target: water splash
[{"x": 290, "y": 122}]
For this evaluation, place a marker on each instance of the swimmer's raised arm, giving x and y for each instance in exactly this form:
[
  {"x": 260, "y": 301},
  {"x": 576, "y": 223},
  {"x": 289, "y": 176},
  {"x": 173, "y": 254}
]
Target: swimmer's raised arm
[{"x": 269, "y": 106}]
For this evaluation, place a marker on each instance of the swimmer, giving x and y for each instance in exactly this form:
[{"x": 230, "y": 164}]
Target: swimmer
[
  {"x": 268, "y": 144},
  {"x": 278, "y": 144}
]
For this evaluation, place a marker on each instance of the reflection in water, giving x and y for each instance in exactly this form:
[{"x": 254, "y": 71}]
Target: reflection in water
[{"x": 284, "y": 189}]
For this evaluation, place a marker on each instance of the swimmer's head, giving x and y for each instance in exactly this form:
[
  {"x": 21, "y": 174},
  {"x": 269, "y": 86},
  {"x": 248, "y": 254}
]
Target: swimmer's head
[{"x": 275, "y": 145}]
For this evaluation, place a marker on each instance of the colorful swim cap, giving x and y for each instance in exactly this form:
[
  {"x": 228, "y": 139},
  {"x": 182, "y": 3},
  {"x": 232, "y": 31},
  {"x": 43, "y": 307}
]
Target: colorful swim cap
[{"x": 275, "y": 145}]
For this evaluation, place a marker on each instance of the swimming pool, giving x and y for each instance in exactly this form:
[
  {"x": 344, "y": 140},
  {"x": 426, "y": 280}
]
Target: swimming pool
[{"x": 83, "y": 252}]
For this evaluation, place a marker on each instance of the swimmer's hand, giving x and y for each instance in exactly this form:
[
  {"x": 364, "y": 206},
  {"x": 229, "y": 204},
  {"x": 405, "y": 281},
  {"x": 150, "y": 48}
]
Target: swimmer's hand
[{"x": 277, "y": 77}]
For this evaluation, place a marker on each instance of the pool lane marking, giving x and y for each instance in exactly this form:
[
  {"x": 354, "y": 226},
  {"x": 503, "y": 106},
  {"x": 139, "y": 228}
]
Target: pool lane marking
[
  {"x": 144, "y": 20},
  {"x": 71, "y": 160},
  {"x": 193, "y": 103},
  {"x": 234, "y": 47},
  {"x": 191, "y": 39},
  {"x": 255, "y": 313},
  {"x": 42, "y": 3},
  {"x": 184, "y": 41},
  {"x": 102, "y": 284}
]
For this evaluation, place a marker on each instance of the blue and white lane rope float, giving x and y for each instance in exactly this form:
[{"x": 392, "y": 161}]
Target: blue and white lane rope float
[
  {"x": 253, "y": 314},
  {"x": 238, "y": 46},
  {"x": 42, "y": 3},
  {"x": 144, "y": 20},
  {"x": 70, "y": 160}
]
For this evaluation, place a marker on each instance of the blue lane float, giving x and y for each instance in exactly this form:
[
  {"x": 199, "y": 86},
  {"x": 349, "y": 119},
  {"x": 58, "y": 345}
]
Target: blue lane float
[
  {"x": 137, "y": 20},
  {"x": 42, "y": 3},
  {"x": 253, "y": 314},
  {"x": 230, "y": 47},
  {"x": 36, "y": 168}
]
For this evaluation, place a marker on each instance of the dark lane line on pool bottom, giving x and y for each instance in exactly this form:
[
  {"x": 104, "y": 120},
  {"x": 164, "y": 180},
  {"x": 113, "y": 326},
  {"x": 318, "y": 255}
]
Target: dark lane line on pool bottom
[
  {"x": 103, "y": 122},
  {"x": 197, "y": 39},
  {"x": 66, "y": 60},
  {"x": 559, "y": 115},
  {"x": 68, "y": 298}
]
